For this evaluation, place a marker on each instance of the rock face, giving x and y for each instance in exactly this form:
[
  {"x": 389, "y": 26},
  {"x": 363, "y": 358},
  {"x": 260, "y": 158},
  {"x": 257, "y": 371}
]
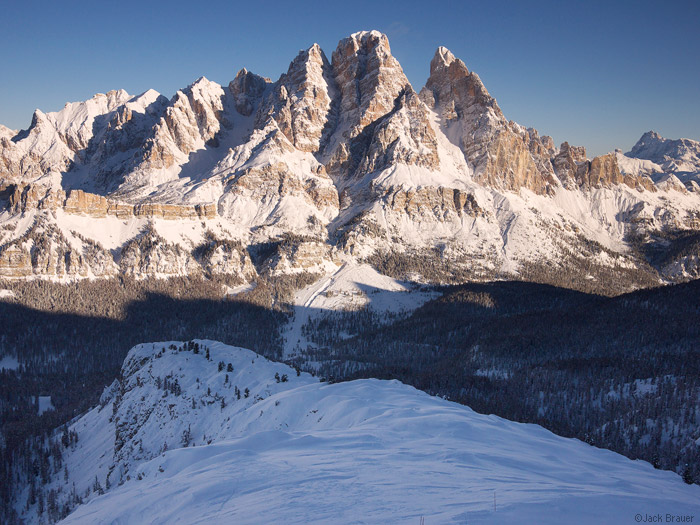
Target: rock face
[
  {"x": 43, "y": 251},
  {"x": 369, "y": 81},
  {"x": 246, "y": 89},
  {"x": 37, "y": 197},
  {"x": 504, "y": 155},
  {"x": 150, "y": 255},
  {"x": 438, "y": 201},
  {"x": 568, "y": 162},
  {"x": 343, "y": 153},
  {"x": 194, "y": 118},
  {"x": 225, "y": 257},
  {"x": 300, "y": 101},
  {"x": 604, "y": 171},
  {"x": 15, "y": 261},
  {"x": 301, "y": 255},
  {"x": 402, "y": 136}
]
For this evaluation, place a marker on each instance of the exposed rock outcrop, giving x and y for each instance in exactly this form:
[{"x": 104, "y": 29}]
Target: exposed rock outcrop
[
  {"x": 247, "y": 88},
  {"x": 193, "y": 119},
  {"x": 149, "y": 254},
  {"x": 441, "y": 202},
  {"x": 503, "y": 154},
  {"x": 225, "y": 257},
  {"x": 603, "y": 171},
  {"x": 404, "y": 136},
  {"x": 568, "y": 162},
  {"x": 300, "y": 255},
  {"x": 43, "y": 251},
  {"x": 300, "y": 101},
  {"x": 38, "y": 197}
]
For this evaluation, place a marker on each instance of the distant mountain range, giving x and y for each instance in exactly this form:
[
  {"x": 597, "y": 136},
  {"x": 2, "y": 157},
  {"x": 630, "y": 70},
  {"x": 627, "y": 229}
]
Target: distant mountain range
[{"x": 344, "y": 161}]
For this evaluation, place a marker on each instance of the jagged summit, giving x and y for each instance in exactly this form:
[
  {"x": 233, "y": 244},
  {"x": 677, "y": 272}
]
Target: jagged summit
[
  {"x": 442, "y": 59},
  {"x": 649, "y": 139},
  {"x": 246, "y": 89},
  {"x": 373, "y": 37},
  {"x": 680, "y": 155}
]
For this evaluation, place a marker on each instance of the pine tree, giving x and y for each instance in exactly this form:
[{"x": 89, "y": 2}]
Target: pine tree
[
  {"x": 688, "y": 475},
  {"x": 186, "y": 436}
]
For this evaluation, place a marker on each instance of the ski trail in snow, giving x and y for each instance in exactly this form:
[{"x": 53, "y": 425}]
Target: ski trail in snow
[
  {"x": 304, "y": 299},
  {"x": 351, "y": 286}
]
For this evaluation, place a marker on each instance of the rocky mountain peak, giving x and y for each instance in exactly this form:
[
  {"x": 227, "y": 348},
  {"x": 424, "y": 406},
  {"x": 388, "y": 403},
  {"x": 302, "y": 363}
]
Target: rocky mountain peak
[
  {"x": 680, "y": 155},
  {"x": 454, "y": 88},
  {"x": 115, "y": 97},
  {"x": 367, "y": 40},
  {"x": 578, "y": 153},
  {"x": 300, "y": 101},
  {"x": 246, "y": 89},
  {"x": 442, "y": 59},
  {"x": 201, "y": 84},
  {"x": 38, "y": 117},
  {"x": 309, "y": 61},
  {"x": 651, "y": 136},
  {"x": 368, "y": 76},
  {"x": 650, "y": 139},
  {"x": 504, "y": 155}
]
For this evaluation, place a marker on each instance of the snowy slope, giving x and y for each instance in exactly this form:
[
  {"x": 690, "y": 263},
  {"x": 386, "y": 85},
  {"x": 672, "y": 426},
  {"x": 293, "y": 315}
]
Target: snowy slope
[
  {"x": 352, "y": 287},
  {"x": 301, "y": 451}
]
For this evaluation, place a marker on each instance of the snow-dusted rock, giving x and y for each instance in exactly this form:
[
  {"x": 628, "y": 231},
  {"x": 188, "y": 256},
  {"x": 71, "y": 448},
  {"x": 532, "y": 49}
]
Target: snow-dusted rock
[
  {"x": 345, "y": 153},
  {"x": 673, "y": 155}
]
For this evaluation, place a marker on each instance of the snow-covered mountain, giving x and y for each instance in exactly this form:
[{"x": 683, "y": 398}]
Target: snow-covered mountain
[
  {"x": 202, "y": 432},
  {"x": 670, "y": 163},
  {"x": 674, "y": 156},
  {"x": 346, "y": 155}
]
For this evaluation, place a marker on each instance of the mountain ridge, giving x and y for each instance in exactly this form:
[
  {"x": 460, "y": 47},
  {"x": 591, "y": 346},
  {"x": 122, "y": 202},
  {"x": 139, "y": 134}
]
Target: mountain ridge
[{"x": 343, "y": 151}]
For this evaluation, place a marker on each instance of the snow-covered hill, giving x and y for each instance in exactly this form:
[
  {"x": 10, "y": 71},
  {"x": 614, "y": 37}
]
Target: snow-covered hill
[
  {"x": 344, "y": 152},
  {"x": 171, "y": 442}
]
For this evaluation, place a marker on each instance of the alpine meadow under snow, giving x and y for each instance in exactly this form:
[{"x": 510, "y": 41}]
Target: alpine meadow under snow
[{"x": 390, "y": 257}]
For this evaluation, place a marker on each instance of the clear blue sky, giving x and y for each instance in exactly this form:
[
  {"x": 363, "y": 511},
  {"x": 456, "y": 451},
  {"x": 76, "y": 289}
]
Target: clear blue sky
[{"x": 594, "y": 74}]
